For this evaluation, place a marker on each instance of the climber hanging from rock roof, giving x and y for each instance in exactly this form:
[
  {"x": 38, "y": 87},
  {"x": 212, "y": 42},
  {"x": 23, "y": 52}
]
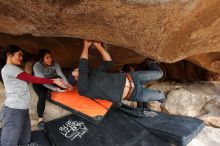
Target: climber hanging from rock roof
[{"x": 115, "y": 87}]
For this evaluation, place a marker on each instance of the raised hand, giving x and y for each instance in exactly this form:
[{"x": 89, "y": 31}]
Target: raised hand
[
  {"x": 97, "y": 44},
  {"x": 87, "y": 43},
  {"x": 105, "y": 55}
]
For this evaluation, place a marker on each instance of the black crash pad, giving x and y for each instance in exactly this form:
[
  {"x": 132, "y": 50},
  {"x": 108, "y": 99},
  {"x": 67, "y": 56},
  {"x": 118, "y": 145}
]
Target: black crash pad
[
  {"x": 38, "y": 138},
  {"x": 178, "y": 130},
  {"x": 117, "y": 129}
]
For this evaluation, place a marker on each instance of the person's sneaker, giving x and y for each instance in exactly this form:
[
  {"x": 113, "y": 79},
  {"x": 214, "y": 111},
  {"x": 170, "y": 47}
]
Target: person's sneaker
[{"x": 40, "y": 125}]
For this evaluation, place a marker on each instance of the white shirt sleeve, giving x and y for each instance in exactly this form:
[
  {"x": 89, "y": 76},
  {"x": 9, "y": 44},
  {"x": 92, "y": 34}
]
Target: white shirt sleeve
[{"x": 13, "y": 71}]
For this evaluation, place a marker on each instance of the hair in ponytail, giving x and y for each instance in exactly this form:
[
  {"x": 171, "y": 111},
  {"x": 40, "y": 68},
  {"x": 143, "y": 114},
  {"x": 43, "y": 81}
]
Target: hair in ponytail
[{"x": 11, "y": 49}]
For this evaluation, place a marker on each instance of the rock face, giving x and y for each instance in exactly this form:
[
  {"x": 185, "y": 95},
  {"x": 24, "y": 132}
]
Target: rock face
[
  {"x": 165, "y": 30},
  {"x": 185, "y": 71},
  {"x": 182, "y": 102},
  {"x": 67, "y": 50},
  {"x": 198, "y": 99}
]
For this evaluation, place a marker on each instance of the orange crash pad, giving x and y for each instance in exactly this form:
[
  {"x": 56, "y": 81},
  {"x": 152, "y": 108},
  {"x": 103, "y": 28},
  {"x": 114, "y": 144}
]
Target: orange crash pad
[{"x": 93, "y": 110}]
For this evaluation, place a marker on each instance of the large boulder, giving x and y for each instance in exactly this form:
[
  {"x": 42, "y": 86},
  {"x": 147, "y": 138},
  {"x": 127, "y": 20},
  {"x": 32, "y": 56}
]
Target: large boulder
[
  {"x": 183, "y": 102},
  {"x": 165, "y": 30},
  {"x": 212, "y": 114},
  {"x": 196, "y": 99}
]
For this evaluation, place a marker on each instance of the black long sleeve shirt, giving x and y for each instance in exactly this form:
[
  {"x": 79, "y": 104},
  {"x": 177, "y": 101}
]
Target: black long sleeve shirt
[{"x": 99, "y": 83}]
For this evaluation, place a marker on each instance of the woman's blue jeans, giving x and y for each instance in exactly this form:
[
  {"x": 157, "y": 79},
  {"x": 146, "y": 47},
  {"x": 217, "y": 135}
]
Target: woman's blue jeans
[{"x": 140, "y": 78}]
